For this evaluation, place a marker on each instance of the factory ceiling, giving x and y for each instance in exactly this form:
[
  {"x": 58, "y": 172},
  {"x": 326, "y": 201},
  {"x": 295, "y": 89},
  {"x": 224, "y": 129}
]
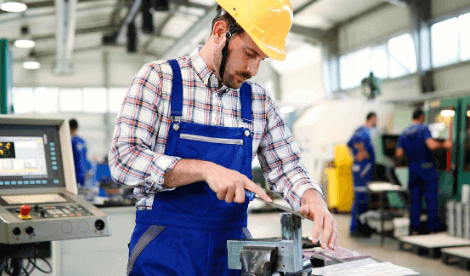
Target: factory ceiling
[{"x": 104, "y": 23}]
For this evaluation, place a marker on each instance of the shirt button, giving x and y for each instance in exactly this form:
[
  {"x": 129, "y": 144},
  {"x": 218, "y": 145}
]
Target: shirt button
[{"x": 247, "y": 132}]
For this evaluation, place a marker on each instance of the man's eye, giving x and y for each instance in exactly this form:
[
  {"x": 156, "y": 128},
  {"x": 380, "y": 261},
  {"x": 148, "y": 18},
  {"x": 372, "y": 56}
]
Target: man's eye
[{"x": 249, "y": 54}]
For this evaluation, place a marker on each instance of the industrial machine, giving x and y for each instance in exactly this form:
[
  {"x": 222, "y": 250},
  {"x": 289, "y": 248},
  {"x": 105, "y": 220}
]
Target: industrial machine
[
  {"x": 272, "y": 257},
  {"x": 38, "y": 191}
]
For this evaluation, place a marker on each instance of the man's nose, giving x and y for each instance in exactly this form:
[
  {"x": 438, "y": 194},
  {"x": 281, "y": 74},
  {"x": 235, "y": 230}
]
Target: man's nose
[{"x": 253, "y": 66}]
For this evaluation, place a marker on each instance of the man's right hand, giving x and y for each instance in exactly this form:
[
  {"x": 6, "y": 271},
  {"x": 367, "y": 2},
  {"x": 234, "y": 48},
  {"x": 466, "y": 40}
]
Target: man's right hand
[
  {"x": 448, "y": 144},
  {"x": 230, "y": 185}
]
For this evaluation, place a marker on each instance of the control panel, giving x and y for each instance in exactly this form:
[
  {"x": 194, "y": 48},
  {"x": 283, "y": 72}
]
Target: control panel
[
  {"x": 38, "y": 189},
  {"x": 39, "y": 222}
]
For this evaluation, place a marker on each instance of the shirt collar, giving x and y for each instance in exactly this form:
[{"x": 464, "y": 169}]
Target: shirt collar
[{"x": 206, "y": 74}]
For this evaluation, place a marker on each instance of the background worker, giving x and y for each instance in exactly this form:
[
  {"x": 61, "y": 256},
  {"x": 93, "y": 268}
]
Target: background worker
[
  {"x": 417, "y": 143},
  {"x": 363, "y": 172},
  {"x": 79, "y": 149},
  {"x": 185, "y": 138}
]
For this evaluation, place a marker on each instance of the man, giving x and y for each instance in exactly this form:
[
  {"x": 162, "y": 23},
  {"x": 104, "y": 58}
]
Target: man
[
  {"x": 416, "y": 141},
  {"x": 79, "y": 150},
  {"x": 185, "y": 138},
  {"x": 363, "y": 172}
]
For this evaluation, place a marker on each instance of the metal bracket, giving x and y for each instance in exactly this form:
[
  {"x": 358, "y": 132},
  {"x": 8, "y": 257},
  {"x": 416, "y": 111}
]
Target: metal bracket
[{"x": 258, "y": 260}]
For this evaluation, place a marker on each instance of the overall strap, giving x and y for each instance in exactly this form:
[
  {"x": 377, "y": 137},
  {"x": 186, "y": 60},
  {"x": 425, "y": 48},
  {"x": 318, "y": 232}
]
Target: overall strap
[
  {"x": 245, "y": 98},
  {"x": 176, "y": 89}
]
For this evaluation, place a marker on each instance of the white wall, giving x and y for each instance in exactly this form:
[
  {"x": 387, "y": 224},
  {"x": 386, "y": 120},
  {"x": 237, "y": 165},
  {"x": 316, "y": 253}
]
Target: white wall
[
  {"x": 89, "y": 70},
  {"x": 384, "y": 22}
]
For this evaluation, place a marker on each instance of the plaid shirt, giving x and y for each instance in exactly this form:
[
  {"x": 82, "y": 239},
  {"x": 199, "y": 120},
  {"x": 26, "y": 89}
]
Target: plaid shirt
[{"x": 137, "y": 159}]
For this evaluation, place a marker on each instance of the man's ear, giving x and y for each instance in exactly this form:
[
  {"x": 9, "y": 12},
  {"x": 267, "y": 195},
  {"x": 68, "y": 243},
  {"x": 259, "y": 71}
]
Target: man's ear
[{"x": 219, "y": 31}]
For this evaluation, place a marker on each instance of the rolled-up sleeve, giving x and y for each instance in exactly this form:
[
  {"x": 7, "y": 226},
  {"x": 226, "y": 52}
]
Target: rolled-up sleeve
[
  {"x": 279, "y": 156},
  {"x": 132, "y": 160}
]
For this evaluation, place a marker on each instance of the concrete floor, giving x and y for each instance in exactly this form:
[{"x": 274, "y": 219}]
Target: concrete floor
[{"x": 268, "y": 225}]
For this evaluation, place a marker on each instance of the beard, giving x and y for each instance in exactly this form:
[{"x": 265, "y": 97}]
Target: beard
[{"x": 229, "y": 76}]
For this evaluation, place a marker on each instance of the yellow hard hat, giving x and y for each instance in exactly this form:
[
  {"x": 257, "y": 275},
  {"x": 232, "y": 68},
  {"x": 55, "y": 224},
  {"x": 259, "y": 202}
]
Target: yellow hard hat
[{"x": 267, "y": 22}]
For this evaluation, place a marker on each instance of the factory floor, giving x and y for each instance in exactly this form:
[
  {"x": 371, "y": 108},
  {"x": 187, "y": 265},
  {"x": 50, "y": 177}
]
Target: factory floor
[{"x": 268, "y": 225}]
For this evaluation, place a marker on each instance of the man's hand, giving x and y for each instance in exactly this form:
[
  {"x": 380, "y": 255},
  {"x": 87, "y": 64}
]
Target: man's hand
[
  {"x": 314, "y": 207},
  {"x": 229, "y": 184},
  {"x": 447, "y": 144},
  {"x": 361, "y": 152}
]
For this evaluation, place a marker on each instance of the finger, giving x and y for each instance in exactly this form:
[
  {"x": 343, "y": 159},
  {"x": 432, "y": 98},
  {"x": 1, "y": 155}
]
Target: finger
[
  {"x": 317, "y": 225},
  {"x": 230, "y": 194},
  {"x": 221, "y": 193},
  {"x": 327, "y": 233},
  {"x": 240, "y": 193},
  {"x": 334, "y": 237},
  {"x": 251, "y": 186}
]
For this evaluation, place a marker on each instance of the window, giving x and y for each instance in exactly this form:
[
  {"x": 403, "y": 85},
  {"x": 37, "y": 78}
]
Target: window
[
  {"x": 354, "y": 67},
  {"x": 116, "y": 97},
  {"x": 445, "y": 42},
  {"x": 464, "y": 24},
  {"x": 402, "y": 56},
  {"x": 23, "y": 101},
  {"x": 71, "y": 100},
  {"x": 94, "y": 100},
  {"x": 379, "y": 61},
  {"x": 46, "y": 99}
]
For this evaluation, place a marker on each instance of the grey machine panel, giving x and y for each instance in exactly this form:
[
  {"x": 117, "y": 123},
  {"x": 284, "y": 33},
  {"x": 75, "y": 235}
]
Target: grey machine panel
[{"x": 36, "y": 169}]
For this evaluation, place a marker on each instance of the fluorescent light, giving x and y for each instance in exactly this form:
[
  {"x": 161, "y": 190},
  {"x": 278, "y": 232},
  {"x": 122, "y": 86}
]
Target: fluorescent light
[
  {"x": 447, "y": 113},
  {"x": 13, "y": 7},
  {"x": 31, "y": 65},
  {"x": 24, "y": 43},
  {"x": 468, "y": 113}
]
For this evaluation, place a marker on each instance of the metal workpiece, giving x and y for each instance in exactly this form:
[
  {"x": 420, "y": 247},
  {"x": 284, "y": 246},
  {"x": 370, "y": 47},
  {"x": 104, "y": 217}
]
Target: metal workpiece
[
  {"x": 257, "y": 253},
  {"x": 258, "y": 260},
  {"x": 291, "y": 229}
]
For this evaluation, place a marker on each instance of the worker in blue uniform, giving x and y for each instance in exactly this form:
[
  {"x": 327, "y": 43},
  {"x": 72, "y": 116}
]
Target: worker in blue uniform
[
  {"x": 363, "y": 172},
  {"x": 185, "y": 139},
  {"x": 79, "y": 149},
  {"x": 417, "y": 143}
]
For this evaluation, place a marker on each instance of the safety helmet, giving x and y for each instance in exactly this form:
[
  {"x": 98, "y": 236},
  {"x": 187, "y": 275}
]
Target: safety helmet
[{"x": 267, "y": 22}]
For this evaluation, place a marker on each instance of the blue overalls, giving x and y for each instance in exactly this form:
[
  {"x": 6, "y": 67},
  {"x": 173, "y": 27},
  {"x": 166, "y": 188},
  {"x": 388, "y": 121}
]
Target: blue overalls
[
  {"x": 363, "y": 173},
  {"x": 423, "y": 177},
  {"x": 186, "y": 231},
  {"x": 79, "y": 150}
]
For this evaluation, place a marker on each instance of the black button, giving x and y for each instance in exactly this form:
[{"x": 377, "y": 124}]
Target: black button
[
  {"x": 29, "y": 230},
  {"x": 16, "y": 231}
]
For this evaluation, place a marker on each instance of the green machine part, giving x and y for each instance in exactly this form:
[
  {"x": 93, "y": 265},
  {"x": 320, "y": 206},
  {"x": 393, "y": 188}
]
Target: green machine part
[
  {"x": 6, "y": 77},
  {"x": 448, "y": 173}
]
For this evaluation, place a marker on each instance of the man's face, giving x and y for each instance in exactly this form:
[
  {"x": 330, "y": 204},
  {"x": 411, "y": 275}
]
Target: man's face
[
  {"x": 373, "y": 120},
  {"x": 243, "y": 60}
]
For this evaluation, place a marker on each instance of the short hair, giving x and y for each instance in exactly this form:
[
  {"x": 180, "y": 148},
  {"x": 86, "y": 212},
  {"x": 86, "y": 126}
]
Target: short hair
[
  {"x": 417, "y": 113},
  {"x": 227, "y": 18},
  {"x": 370, "y": 115},
  {"x": 73, "y": 124}
]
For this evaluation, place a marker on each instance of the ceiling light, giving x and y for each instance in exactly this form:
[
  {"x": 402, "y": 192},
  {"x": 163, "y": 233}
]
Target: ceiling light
[
  {"x": 13, "y": 6},
  {"x": 447, "y": 113},
  {"x": 24, "y": 43},
  {"x": 31, "y": 65}
]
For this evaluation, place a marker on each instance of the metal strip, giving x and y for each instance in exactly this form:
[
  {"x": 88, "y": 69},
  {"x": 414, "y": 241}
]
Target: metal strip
[
  {"x": 211, "y": 139},
  {"x": 151, "y": 233}
]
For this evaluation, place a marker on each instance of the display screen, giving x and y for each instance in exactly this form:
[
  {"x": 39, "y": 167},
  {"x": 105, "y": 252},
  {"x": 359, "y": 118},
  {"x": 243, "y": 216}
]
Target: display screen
[
  {"x": 30, "y": 157},
  {"x": 22, "y": 156}
]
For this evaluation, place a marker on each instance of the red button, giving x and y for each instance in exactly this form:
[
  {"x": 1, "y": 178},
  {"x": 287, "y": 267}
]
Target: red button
[
  {"x": 24, "y": 209},
  {"x": 72, "y": 215},
  {"x": 49, "y": 207},
  {"x": 79, "y": 215}
]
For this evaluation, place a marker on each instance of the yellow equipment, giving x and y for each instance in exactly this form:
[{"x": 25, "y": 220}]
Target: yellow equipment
[
  {"x": 340, "y": 180},
  {"x": 266, "y": 22}
]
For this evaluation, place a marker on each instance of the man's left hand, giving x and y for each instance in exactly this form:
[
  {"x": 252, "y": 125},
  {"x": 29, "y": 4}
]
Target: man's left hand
[{"x": 314, "y": 207}]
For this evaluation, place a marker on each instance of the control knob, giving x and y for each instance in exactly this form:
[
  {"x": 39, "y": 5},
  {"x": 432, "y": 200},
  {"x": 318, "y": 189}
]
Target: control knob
[
  {"x": 16, "y": 231},
  {"x": 29, "y": 230}
]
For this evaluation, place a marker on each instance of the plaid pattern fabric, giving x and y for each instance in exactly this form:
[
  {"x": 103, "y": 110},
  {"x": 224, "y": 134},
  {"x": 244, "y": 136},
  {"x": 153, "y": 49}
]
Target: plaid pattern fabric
[{"x": 137, "y": 159}]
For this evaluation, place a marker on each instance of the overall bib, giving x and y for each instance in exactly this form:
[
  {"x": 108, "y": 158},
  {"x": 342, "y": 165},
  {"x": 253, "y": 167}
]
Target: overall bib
[{"x": 186, "y": 231}]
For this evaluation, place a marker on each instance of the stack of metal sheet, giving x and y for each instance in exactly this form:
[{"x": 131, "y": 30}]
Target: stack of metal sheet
[{"x": 458, "y": 219}]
